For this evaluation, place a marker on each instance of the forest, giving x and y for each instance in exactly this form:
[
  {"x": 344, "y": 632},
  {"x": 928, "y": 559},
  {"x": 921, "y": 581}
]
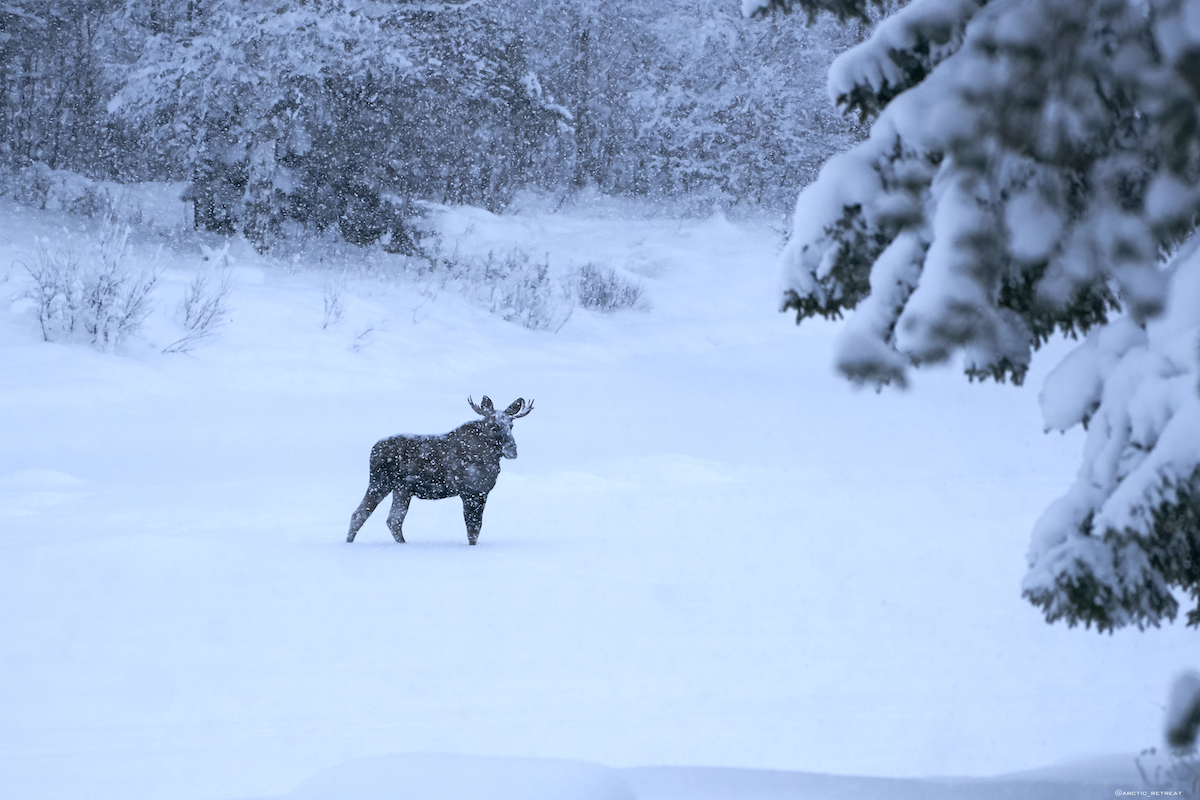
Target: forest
[{"x": 339, "y": 115}]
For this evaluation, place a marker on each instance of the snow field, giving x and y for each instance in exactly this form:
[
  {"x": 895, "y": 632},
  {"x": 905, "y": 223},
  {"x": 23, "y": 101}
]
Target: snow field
[{"x": 711, "y": 551}]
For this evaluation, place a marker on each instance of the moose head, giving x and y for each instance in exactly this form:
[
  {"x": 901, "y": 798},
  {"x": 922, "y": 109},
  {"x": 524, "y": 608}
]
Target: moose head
[{"x": 499, "y": 425}]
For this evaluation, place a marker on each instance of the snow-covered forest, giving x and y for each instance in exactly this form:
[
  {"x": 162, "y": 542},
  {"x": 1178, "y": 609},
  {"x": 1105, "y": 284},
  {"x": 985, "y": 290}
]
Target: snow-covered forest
[
  {"x": 340, "y": 115},
  {"x": 241, "y": 242}
]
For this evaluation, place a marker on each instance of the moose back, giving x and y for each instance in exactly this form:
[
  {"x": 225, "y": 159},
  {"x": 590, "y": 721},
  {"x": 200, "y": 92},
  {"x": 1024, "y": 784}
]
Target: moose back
[{"x": 464, "y": 462}]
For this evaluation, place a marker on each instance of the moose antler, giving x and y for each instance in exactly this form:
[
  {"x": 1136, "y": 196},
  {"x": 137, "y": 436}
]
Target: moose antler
[
  {"x": 515, "y": 410},
  {"x": 484, "y": 409}
]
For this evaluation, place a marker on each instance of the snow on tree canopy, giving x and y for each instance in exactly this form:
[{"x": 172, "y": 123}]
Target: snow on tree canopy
[
  {"x": 1112, "y": 548},
  {"x": 1029, "y": 163},
  {"x": 337, "y": 112}
]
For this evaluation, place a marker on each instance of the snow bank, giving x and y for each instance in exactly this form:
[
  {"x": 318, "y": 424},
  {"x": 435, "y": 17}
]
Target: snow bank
[
  {"x": 460, "y": 777},
  {"x": 1069, "y": 782},
  {"x": 442, "y": 777}
]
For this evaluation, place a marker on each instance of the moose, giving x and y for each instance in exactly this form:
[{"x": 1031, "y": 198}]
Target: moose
[{"x": 463, "y": 462}]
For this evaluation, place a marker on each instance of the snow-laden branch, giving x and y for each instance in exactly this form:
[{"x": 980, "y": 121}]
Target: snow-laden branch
[
  {"x": 1035, "y": 214},
  {"x": 903, "y": 49},
  {"x": 1111, "y": 548}
]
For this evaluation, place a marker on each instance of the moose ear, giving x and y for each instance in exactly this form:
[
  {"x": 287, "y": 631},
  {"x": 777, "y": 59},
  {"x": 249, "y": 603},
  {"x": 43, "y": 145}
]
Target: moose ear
[
  {"x": 487, "y": 404},
  {"x": 515, "y": 407}
]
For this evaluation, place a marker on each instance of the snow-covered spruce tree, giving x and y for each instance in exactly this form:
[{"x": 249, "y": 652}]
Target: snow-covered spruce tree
[{"x": 1030, "y": 165}]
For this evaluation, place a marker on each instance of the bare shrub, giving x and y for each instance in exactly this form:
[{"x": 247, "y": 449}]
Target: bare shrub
[
  {"x": 605, "y": 289},
  {"x": 362, "y": 339},
  {"x": 1180, "y": 776},
  {"x": 101, "y": 301},
  {"x": 116, "y": 305},
  {"x": 204, "y": 309},
  {"x": 512, "y": 286},
  {"x": 57, "y": 291},
  {"x": 117, "y": 301},
  {"x": 523, "y": 289},
  {"x": 520, "y": 290},
  {"x": 335, "y": 304}
]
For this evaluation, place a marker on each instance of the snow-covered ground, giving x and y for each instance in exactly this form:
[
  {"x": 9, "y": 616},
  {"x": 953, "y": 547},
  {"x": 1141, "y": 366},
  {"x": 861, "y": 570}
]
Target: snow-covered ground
[{"x": 711, "y": 552}]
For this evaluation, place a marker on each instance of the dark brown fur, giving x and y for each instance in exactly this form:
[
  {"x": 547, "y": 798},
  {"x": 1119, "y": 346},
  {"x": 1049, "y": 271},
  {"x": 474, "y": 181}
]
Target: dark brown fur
[{"x": 464, "y": 462}]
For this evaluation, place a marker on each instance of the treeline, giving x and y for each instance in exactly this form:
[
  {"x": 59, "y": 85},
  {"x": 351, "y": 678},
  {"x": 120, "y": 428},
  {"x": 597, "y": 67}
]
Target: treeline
[{"x": 341, "y": 113}]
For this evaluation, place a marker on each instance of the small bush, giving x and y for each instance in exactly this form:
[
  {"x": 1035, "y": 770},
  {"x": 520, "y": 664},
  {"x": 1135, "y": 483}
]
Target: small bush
[
  {"x": 525, "y": 290},
  {"x": 57, "y": 291},
  {"x": 1180, "y": 777},
  {"x": 605, "y": 290},
  {"x": 512, "y": 286},
  {"x": 520, "y": 290},
  {"x": 335, "y": 303},
  {"x": 102, "y": 301},
  {"x": 204, "y": 310}
]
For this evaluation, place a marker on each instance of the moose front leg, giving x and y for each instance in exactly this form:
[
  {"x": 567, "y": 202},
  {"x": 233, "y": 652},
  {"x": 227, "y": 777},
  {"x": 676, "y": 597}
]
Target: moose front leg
[
  {"x": 473, "y": 514},
  {"x": 372, "y": 498},
  {"x": 395, "y": 520}
]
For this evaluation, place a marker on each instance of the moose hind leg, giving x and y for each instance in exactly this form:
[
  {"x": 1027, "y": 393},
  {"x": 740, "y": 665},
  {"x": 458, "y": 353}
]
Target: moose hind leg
[
  {"x": 364, "y": 510},
  {"x": 473, "y": 515},
  {"x": 395, "y": 518}
]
